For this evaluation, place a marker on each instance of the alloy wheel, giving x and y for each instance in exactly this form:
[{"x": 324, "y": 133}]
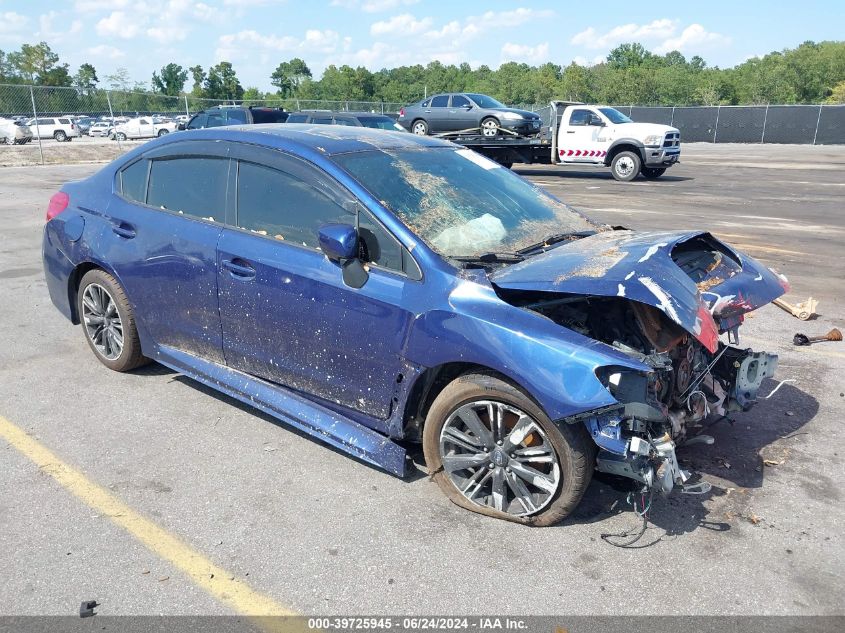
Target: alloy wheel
[
  {"x": 499, "y": 457},
  {"x": 102, "y": 321}
]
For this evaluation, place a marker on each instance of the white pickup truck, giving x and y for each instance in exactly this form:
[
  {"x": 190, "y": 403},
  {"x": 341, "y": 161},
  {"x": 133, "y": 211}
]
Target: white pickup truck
[
  {"x": 592, "y": 135},
  {"x": 142, "y": 127}
]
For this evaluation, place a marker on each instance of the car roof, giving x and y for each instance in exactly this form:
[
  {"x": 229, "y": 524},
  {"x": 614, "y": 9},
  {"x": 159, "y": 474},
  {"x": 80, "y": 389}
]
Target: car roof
[{"x": 326, "y": 139}]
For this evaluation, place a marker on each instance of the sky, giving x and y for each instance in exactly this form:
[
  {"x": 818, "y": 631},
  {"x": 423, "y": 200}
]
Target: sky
[{"x": 255, "y": 35}]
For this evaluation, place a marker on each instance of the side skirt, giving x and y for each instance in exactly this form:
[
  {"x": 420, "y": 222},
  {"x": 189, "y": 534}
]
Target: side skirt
[{"x": 309, "y": 417}]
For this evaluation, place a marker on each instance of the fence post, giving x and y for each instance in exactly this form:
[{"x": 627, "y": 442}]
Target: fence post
[
  {"x": 818, "y": 119},
  {"x": 37, "y": 130},
  {"x": 111, "y": 114},
  {"x": 765, "y": 118},
  {"x": 716, "y": 127},
  {"x": 673, "y": 117},
  {"x": 187, "y": 111}
]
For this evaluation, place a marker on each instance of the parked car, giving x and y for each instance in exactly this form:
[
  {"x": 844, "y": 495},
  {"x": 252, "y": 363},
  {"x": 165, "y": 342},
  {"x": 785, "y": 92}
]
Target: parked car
[
  {"x": 84, "y": 124},
  {"x": 101, "y": 128},
  {"x": 467, "y": 111},
  {"x": 366, "y": 288},
  {"x": 234, "y": 115},
  {"x": 142, "y": 127},
  {"x": 13, "y": 133},
  {"x": 59, "y": 128},
  {"x": 355, "y": 119},
  {"x": 182, "y": 118}
]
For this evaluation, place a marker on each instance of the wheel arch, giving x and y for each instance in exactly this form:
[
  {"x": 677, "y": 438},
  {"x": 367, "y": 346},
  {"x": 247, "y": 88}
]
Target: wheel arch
[
  {"x": 75, "y": 278},
  {"x": 624, "y": 145}
]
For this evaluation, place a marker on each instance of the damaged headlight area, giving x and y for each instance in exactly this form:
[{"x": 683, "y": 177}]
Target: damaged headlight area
[{"x": 659, "y": 408}]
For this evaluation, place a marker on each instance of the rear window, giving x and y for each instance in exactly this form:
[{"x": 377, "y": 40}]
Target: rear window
[
  {"x": 193, "y": 186},
  {"x": 269, "y": 116}
]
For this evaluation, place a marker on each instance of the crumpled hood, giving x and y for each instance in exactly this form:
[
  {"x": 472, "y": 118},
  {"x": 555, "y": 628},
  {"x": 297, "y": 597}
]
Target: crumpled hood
[
  {"x": 646, "y": 267},
  {"x": 523, "y": 113}
]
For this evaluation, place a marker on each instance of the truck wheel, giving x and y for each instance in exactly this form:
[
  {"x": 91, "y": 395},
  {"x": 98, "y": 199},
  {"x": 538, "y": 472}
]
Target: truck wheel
[
  {"x": 419, "y": 127},
  {"x": 653, "y": 173},
  {"x": 60, "y": 136},
  {"x": 492, "y": 450},
  {"x": 490, "y": 127},
  {"x": 625, "y": 166}
]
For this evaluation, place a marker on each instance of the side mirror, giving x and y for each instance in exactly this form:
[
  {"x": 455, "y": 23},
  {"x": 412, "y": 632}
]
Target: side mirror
[
  {"x": 340, "y": 242},
  {"x": 597, "y": 122},
  {"x": 181, "y": 126},
  {"x": 467, "y": 106}
]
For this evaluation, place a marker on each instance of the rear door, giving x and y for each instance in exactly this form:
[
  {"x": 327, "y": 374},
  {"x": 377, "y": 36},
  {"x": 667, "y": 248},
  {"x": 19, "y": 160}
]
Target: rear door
[
  {"x": 161, "y": 232},
  {"x": 286, "y": 314},
  {"x": 437, "y": 114}
]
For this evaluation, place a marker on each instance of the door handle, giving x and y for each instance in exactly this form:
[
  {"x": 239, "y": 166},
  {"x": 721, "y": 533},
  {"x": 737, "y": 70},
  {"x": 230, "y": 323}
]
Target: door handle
[
  {"x": 570, "y": 131},
  {"x": 124, "y": 230},
  {"x": 240, "y": 270}
]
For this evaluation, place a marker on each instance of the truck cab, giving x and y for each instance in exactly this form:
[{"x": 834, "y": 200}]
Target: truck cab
[{"x": 601, "y": 135}]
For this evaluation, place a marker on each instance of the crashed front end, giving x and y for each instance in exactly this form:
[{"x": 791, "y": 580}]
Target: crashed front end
[{"x": 664, "y": 299}]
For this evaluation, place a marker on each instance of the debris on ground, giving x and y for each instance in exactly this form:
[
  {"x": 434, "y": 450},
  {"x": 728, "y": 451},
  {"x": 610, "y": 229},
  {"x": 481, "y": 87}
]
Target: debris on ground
[
  {"x": 86, "y": 609},
  {"x": 803, "y": 339},
  {"x": 804, "y": 310}
]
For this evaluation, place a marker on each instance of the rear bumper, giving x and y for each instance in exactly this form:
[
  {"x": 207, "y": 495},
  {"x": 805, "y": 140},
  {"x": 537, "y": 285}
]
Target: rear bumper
[{"x": 661, "y": 157}]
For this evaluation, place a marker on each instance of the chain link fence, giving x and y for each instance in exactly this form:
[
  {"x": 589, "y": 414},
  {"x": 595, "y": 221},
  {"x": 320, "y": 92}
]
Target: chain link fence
[{"x": 799, "y": 124}]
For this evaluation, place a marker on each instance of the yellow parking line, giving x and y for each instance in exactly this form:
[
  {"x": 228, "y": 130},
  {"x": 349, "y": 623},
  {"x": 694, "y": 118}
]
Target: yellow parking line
[{"x": 217, "y": 581}]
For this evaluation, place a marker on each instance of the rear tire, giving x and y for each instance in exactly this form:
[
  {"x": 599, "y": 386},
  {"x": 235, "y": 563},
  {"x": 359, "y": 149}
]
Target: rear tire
[
  {"x": 108, "y": 322},
  {"x": 561, "y": 457},
  {"x": 625, "y": 166},
  {"x": 653, "y": 173},
  {"x": 419, "y": 127},
  {"x": 60, "y": 136}
]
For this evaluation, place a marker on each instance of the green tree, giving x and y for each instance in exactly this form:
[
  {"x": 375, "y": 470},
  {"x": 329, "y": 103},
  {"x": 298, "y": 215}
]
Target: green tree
[
  {"x": 37, "y": 63},
  {"x": 198, "y": 76},
  {"x": 171, "y": 80},
  {"x": 119, "y": 79},
  {"x": 222, "y": 83},
  {"x": 289, "y": 76},
  {"x": 85, "y": 80}
]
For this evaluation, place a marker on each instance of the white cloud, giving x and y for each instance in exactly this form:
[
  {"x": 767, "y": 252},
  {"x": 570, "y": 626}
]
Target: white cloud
[
  {"x": 655, "y": 30},
  {"x": 106, "y": 51},
  {"x": 694, "y": 36},
  {"x": 400, "y": 26},
  {"x": 207, "y": 13},
  {"x": 119, "y": 24},
  {"x": 244, "y": 44},
  {"x": 523, "y": 53},
  {"x": 88, "y": 6},
  {"x": 475, "y": 26},
  {"x": 46, "y": 30},
  {"x": 167, "y": 33},
  {"x": 12, "y": 23},
  {"x": 583, "y": 61},
  {"x": 372, "y": 6}
]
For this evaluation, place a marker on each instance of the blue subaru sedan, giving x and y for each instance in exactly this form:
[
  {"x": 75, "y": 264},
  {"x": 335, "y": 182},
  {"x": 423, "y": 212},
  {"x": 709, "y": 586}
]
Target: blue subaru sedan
[{"x": 375, "y": 289}]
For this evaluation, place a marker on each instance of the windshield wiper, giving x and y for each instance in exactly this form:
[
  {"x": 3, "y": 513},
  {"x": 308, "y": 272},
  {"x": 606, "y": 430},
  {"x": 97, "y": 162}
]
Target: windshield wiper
[
  {"x": 490, "y": 258},
  {"x": 554, "y": 239}
]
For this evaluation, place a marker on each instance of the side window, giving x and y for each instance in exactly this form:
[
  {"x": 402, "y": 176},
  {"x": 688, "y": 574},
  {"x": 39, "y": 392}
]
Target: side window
[
  {"x": 580, "y": 117},
  {"x": 215, "y": 119},
  {"x": 440, "y": 101},
  {"x": 338, "y": 121},
  {"x": 459, "y": 101},
  {"x": 379, "y": 246},
  {"x": 425, "y": 103},
  {"x": 235, "y": 116},
  {"x": 64, "y": 121},
  {"x": 298, "y": 118},
  {"x": 322, "y": 120},
  {"x": 133, "y": 181},
  {"x": 45, "y": 122},
  {"x": 144, "y": 122},
  {"x": 280, "y": 205},
  {"x": 197, "y": 122},
  {"x": 191, "y": 185},
  {"x": 268, "y": 116}
]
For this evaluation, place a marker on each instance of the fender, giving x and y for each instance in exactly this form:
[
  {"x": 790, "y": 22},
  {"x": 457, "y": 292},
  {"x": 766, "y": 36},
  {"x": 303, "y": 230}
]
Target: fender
[
  {"x": 556, "y": 366},
  {"x": 625, "y": 141}
]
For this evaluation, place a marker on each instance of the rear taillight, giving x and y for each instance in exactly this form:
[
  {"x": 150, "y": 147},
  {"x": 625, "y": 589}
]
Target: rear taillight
[
  {"x": 58, "y": 203},
  {"x": 402, "y": 112}
]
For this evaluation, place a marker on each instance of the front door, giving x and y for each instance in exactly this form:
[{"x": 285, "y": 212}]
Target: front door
[
  {"x": 579, "y": 137},
  {"x": 286, "y": 314}
]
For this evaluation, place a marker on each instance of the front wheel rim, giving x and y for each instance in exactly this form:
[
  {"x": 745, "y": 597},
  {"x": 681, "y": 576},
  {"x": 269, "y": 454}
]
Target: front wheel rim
[
  {"x": 498, "y": 457},
  {"x": 624, "y": 166},
  {"x": 490, "y": 128},
  {"x": 102, "y": 322}
]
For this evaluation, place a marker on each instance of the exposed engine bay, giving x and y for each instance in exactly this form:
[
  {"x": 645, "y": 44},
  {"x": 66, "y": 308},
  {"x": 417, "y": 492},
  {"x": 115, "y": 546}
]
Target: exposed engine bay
[{"x": 662, "y": 408}]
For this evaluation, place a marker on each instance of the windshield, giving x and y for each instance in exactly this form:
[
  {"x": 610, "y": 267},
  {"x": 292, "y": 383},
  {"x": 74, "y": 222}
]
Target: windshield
[
  {"x": 459, "y": 202},
  {"x": 380, "y": 123},
  {"x": 486, "y": 102},
  {"x": 615, "y": 115}
]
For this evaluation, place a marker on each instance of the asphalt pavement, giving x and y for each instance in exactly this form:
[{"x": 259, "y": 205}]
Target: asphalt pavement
[{"x": 133, "y": 489}]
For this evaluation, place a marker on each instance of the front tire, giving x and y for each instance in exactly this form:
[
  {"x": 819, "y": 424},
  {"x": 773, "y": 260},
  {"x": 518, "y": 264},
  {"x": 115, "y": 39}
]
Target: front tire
[
  {"x": 419, "y": 127},
  {"x": 492, "y": 450},
  {"x": 653, "y": 173},
  {"x": 108, "y": 322},
  {"x": 60, "y": 136},
  {"x": 625, "y": 166},
  {"x": 490, "y": 127},
  {"x": 120, "y": 136},
  {"x": 162, "y": 132}
]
